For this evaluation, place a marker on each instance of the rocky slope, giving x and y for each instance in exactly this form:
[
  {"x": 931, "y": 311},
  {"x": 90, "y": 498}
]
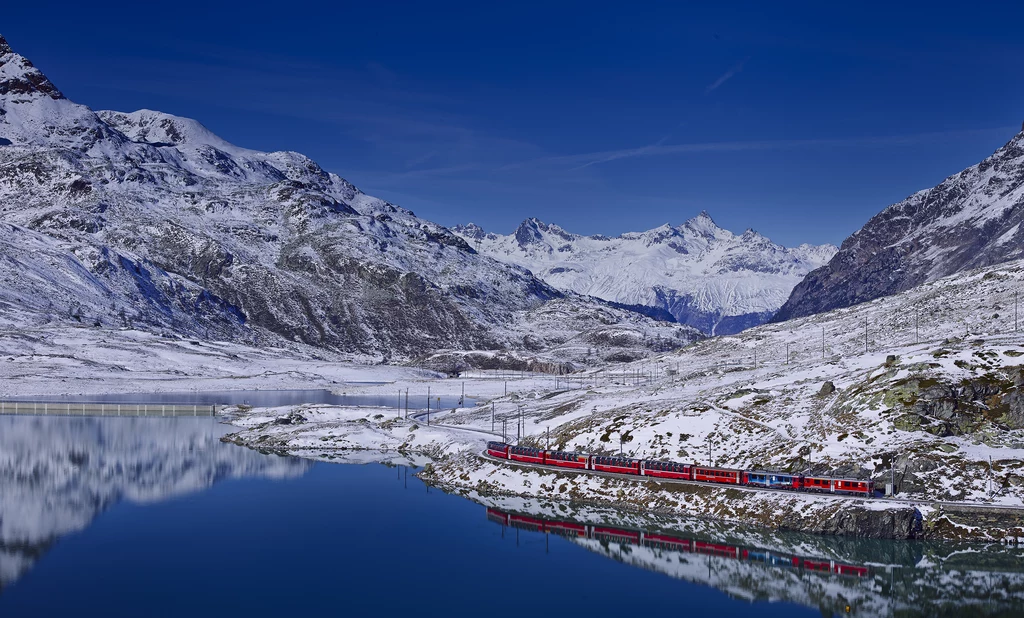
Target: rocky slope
[
  {"x": 705, "y": 276},
  {"x": 971, "y": 219},
  {"x": 151, "y": 221}
]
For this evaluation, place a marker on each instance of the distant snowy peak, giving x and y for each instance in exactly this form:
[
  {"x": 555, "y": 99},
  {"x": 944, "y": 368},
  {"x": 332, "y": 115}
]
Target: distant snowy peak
[
  {"x": 970, "y": 220},
  {"x": 705, "y": 275}
]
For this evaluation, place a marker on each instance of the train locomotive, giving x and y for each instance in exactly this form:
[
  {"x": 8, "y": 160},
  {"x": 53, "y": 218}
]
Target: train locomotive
[{"x": 681, "y": 471}]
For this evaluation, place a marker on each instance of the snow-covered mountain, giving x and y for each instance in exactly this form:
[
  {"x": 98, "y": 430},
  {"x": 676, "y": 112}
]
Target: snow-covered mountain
[
  {"x": 151, "y": 221},
  {"x": 972, "y": 219},
  {"x": 705, "y": 276}
]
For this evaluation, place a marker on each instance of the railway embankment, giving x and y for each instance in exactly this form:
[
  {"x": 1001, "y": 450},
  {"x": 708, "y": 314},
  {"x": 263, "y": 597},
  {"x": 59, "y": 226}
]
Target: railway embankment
[{"x": 776, "y": 510}]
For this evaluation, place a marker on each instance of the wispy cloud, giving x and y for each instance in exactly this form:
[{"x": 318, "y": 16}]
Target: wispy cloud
[
  {"x": 578, "y": 161},
  {"x": 726, "y": 76}
]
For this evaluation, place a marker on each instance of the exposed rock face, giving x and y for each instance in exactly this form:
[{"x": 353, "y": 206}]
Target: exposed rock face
[
  {"x": 970, "y": 220},
  {"x": 888, "y": 524}
]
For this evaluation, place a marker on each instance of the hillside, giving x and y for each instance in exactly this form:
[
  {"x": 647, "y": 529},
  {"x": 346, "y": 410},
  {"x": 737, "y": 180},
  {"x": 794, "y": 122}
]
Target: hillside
[{"x": 971, "y": 219}]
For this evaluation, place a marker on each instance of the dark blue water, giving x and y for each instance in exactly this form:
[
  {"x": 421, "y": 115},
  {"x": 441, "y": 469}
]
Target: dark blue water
[
  {"x": 156, "y": 517},
  {"x": 339, "y": 540},
  {"x": 262, "y": 398}
]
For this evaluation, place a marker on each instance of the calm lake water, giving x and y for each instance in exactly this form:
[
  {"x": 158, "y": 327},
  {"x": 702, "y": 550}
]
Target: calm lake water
[
  {"x": 157, "y": 517},
  {"x": 263, "y": 398}
]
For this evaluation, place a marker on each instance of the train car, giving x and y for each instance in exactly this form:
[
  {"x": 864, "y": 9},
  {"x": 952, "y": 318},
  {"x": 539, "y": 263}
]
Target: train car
[
  {"x": 773, "y": 480},
  {"x": 526, "y": 453},
  {"x": 498, "y": 517},
  {"x": 567, "y": 529},
  {"x": 818, "y": 484},
  {"x": 497, "y": 449},
  {"x": 616, "y": 535},
  {"x": 716, "y": 549},
  {"x": 664, "y": 541},
  {"x": 622, "y": 465},
  {"x": 851, "y": 570},
  {"x": 819, "y": 566},
  {"x": 666, "y": 470},
  {"x": 858, "y": 487},
  {"x": 563, "y": 459},
  {"x": 525, "y": 522},
  {"x": 718, "y": 475},
  {"x": 827, "y": 484}
]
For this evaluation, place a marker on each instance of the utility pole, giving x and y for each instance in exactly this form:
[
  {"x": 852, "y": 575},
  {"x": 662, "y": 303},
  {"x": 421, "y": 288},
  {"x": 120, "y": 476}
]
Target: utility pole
[
  {"x": 823, "y": 342},
  {"x": 917, "y": 329},
  {"x": 865, "y": 335},
  {"x": 428, "y": 398},
  {"x": 755, "y": 356},
  {"x": 710, "y": 462},
  {"x": 787, "y": 353},
  {"x": 1014, "y": 312},
  {"x": 492, "y": 417},
  {"x": 547, "y": 438}
]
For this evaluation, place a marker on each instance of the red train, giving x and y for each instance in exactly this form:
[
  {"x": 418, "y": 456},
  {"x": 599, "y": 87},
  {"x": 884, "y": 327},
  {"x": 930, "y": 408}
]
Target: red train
[
  {"x": 663, "y": 541},
  {"x": 689, "y": 472}
]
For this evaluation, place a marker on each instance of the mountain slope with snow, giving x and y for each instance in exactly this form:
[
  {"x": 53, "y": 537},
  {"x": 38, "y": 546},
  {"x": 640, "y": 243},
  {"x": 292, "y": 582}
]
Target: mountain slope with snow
[
  {"x": 705, "y": 276},
  {"x": 970, "y": 220},
  {"x": 151, "y": 221}
]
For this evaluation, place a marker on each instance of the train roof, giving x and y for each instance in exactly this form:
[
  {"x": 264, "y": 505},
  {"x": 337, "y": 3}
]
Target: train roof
[
  {"x": 837, "y": 478},
  {"x": 717, "y": 468}
]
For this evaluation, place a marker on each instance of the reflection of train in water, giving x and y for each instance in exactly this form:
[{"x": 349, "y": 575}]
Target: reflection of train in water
[
  {"x": 680, "y": 544},
  {"x": 690, "y": 472}
]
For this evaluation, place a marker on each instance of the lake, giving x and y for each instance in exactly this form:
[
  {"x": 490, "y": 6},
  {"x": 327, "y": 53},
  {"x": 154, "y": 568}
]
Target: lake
[{"x": 157, "y": 517}]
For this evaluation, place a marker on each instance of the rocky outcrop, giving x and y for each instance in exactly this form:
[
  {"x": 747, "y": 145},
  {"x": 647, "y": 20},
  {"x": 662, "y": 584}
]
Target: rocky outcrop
[{"x": 970, "y": 220}]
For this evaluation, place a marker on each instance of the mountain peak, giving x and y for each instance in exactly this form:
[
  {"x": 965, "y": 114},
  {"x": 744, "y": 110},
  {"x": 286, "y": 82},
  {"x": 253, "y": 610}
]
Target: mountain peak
[{"x": 19, "y": 76}]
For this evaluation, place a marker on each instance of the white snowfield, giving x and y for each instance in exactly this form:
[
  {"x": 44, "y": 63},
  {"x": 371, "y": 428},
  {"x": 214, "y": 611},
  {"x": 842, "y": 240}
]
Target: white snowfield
[{"x": 697, "y": 271}]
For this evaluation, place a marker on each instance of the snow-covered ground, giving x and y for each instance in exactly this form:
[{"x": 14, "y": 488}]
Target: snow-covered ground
[{"x": 930, "y": 390}]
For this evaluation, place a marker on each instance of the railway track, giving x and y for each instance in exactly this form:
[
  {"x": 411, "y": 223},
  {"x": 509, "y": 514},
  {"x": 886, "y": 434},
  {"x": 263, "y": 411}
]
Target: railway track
[{"x": 758, "y": 490}]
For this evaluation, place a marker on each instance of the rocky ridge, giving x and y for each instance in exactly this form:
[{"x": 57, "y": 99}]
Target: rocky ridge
[{"x": 971, "y": 219}]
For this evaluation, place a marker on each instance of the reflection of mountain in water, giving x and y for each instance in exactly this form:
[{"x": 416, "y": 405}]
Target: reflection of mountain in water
[
  {"x": 58, "y": 473},
  {"x": 939, "y": 579}
]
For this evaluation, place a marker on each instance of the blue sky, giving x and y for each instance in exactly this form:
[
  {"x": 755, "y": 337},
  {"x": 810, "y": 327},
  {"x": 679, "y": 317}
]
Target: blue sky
[{"x": 800, "y": 121}]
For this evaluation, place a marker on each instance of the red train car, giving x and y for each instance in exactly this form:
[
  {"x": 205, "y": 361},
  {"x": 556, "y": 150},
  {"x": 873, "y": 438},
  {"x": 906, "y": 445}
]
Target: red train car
[
  {"x": 820, "y": 566},
  {"x": 567, "y": 528},
  {"x": 853, "y": 571},
  {"x": 498, "y": 517},
  {"x": 716, "y": 549},
  {"x": 526, "y": 453},
  {"x": 563, "y": 459},
  {"x": 663, "y": 541},
  {"x": 718, "y": 475},
  {"x": 622, "y": 465},
  {"x": 497, "y": 449},
  {"x": 617, "y": 535},
  {"x": 667, "y": 470},
  {"x": 525, "y": 522},
  {"x": 854, "y": 486}
]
